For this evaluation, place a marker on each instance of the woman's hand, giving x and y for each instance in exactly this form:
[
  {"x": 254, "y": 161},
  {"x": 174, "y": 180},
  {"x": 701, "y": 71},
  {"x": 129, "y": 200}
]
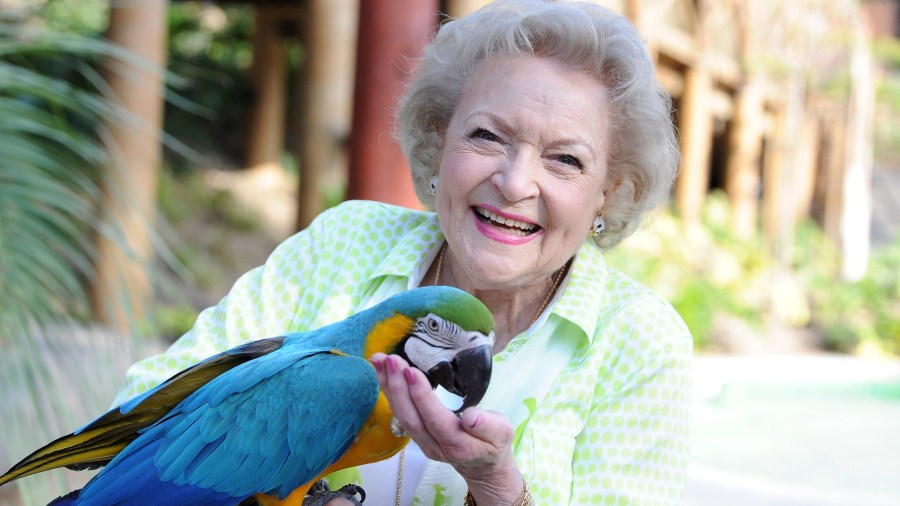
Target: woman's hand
[{"x": 478, "y": 443}]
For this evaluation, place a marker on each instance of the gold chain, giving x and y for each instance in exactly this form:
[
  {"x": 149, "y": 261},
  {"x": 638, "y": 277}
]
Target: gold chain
[
  {"x": 400, "y": 476},
  {"x": 557, "y": 278},
  {"x": 437, "y": 275}
]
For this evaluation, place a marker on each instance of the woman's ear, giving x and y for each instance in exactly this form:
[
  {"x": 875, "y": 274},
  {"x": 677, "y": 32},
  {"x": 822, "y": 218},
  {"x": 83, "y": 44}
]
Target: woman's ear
[{"x": 612, "y": 188}]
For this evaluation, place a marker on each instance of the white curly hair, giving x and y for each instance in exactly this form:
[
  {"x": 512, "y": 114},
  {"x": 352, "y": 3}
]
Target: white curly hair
[{"x": 643, "y": 154}]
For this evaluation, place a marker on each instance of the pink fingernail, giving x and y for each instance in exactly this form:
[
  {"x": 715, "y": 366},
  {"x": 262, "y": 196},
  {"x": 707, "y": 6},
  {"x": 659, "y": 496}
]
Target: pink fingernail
[
  {"x": 379, "y": 365},
  {"x": 410, "y": 376},
  {"x": 391, "y": 365}
]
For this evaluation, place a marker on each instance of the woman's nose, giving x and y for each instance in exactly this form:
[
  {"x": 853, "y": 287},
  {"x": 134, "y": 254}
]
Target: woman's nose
[{"x": 516, "y": 179}]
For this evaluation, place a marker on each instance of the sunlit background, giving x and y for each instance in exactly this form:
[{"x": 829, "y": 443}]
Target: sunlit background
[{"x": 152, "y": 151}]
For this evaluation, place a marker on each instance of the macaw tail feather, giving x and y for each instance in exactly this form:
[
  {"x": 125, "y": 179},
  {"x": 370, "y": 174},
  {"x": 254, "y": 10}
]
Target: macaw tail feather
[
  {"x": 88, "y": 450},
  {"x": 97, "y": 443}
]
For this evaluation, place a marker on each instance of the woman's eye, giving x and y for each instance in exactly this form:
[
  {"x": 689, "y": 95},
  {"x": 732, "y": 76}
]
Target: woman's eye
[
  {"x": 569, "y": 160},
  {"x": 485, "y": 135}
]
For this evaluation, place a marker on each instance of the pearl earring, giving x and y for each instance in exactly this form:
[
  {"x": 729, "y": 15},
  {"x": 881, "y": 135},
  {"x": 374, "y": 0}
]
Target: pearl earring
[
  {"x": 432, "y": 185},
  {"x": 599, "y": 226}
]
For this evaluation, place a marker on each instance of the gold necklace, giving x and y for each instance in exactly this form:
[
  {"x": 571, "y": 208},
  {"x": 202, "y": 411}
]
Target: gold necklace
[
  {"x": 440, "y": 262},
  {"x": 557, "y": 278},
  {"x": 400, "y": 476}
]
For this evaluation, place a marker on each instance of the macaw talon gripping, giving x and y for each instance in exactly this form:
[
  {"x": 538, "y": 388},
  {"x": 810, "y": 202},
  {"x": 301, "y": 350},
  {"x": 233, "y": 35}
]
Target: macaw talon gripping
[{"x": 467, "y": 375}]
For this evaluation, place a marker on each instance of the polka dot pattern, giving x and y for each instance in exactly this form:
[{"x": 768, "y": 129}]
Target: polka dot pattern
[{"x": 610, "y": 427}]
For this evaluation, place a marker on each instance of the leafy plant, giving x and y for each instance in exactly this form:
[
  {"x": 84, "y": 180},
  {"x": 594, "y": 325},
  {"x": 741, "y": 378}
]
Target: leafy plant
[
  {"x": 54, "y": 170},
  {"x": 210, "y": 50},
  {"x": 852, "y": 314},
  {"x": 710, "y": 274},
  {"x": 706, "y": 272}
]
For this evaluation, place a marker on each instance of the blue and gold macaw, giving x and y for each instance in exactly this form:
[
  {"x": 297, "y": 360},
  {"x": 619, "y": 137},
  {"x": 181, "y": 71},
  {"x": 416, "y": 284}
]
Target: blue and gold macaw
[{"x": 271, "y": 417}]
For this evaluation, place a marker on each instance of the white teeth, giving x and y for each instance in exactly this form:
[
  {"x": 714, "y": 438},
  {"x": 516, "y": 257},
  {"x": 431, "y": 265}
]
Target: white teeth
[{"x": 505, "y": 221}]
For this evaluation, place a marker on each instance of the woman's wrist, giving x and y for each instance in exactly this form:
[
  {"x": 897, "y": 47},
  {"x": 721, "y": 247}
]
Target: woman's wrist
[
  {"x": 524, "y": 498},
  {"x": 501, "y": 486}
]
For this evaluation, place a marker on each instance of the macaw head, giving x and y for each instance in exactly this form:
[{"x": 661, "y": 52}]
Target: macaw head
[{"x": 442, "y": 331}]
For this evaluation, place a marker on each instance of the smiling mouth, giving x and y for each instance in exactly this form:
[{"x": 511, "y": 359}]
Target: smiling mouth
[{"x": 508, "y": 225}]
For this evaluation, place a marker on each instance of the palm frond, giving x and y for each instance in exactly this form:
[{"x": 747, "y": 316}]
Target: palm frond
[{"x": 55, "y": 162}]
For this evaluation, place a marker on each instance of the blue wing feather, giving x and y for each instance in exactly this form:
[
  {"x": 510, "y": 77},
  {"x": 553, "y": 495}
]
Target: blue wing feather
[{"x": 267, "y": 425}]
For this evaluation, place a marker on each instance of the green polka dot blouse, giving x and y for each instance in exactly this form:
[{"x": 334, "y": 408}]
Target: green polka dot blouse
[{"x": 598, "y": 390}]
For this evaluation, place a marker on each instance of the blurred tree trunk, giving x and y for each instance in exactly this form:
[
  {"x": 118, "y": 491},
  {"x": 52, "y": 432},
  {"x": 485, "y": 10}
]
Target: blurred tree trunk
[
  {"x": 394, "y": 33},
  {"x": 834, "y": 174},
  {"x": 780, "y": 174},
  {"x": 695, "y": 123},
  {"x": 744, "y": 157},
  {"x": 325, "y": 93},
  {"x": 269, "y": 74},
  {"x": 121, "y": 291},
  {"x": 745, "y": 142},
  {"x": 807, "y": 161}
]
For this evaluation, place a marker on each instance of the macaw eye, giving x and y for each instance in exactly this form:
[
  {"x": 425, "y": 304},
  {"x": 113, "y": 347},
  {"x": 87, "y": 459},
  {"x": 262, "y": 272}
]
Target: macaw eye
[{"x": 433, "y": 324}]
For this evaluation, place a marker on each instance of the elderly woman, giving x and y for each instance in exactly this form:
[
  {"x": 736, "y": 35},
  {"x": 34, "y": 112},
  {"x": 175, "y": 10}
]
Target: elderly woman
[{"x": 539, "y": 136}]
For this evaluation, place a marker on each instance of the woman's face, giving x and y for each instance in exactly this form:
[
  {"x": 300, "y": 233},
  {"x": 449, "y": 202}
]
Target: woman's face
[{"x": 523, "y": 171}]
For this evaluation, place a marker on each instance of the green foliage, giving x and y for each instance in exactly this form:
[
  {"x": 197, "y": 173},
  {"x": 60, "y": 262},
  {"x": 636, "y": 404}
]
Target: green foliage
[
  {"x": 887, "y": 97},
  {"x": 82, "y": 17},
  {"x": 222, "y": 240},
  {"x": 706, "y": 272},
  {"x": 710, "y": 274},
  {"x": 50, "y": 174},
  {"x": 887, "y": 51},
  {"x": 852, "y": 314},
  {"x": 210, "y": 50},
  {"x": 56, "y": 175},
  {"x": 53, "y": 163}
]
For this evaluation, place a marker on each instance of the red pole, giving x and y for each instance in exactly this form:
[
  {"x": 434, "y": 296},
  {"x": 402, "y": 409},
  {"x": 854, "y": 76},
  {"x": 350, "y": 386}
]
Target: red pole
[{"x": 391, "y": 32}]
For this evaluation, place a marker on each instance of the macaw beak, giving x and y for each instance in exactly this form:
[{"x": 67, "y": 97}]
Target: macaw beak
[{"x": 467, "y": 375}]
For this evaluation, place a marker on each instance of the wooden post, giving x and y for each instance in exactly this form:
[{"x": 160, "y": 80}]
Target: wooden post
[
  {"x": 773, "y": 168},
  {"x": 393, "y": 32},
  {"x": 695, "y": 122},
  {"x": 780, "y": 183},
  {"x": 122, "y": 292},
  {"x": 806, "y": 165},
  {"x": 834, "y": 176},
  {"x": 744, "y": 158},
  {"x": 267, "y": 119},
  {"x": 743, "y": 163},
  {"x": 325, "y": 95}
]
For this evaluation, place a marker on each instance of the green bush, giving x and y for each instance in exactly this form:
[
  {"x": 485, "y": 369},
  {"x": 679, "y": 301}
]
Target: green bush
[
  {"x": 208, "y": 105},
  {"x": 852, "y": 314},
  {"x": 710, "y": 274},
  {"x": 706, "y": 272}
]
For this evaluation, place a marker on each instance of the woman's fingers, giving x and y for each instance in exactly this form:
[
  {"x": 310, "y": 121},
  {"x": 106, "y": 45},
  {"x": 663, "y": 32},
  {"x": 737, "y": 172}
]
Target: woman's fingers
[
  {"x": 476, "y": 436},
  {"x": 488, "y": 426},
  {"x": 389, "y": 370}
]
